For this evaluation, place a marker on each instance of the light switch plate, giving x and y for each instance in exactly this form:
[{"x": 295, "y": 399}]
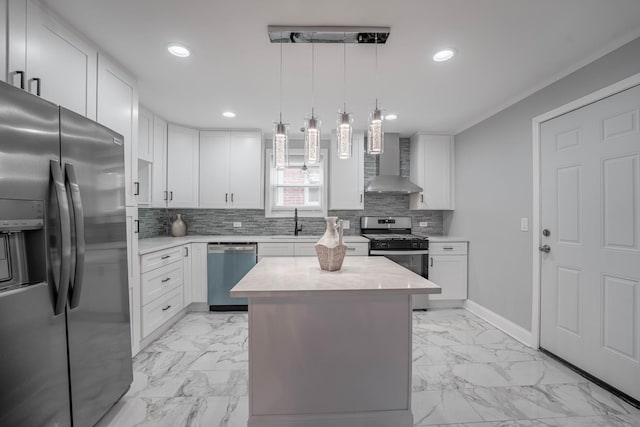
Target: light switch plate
[
  {"x": 237, "y": 224},
  {"x": 423, "y": 224},
  {"x": 346, "y": 224},
  {"x": 524, "y": 224}
]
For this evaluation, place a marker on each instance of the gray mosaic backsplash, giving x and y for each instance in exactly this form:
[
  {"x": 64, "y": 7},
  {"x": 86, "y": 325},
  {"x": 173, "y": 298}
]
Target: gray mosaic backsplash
[{"x": 153, "y": 222}]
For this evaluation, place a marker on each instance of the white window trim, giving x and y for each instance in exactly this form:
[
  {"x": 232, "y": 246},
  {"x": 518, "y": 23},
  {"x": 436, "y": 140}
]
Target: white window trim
[{"x": 270, "y": 211}]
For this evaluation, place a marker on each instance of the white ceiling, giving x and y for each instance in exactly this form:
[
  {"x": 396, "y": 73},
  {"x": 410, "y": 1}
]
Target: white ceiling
[{"x": 506, "y": 50}]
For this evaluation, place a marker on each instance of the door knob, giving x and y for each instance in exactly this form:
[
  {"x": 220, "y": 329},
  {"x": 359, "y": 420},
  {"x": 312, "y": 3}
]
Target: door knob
[{"x": 545, "y": 248}]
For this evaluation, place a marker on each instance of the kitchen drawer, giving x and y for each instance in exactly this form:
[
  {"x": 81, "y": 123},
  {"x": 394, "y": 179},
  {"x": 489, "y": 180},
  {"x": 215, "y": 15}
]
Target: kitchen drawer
[
  {"x": 357, "y": 249},
  {"x": 157, "y": 259},
  {"x": 309, "y": 249},
  {"x": 457, "y": 248},
  {"x": 158, "y": 282},
  {"x": 161, "y": 310},
  {"x": 305, "y": 249},
  {"x": 275, "y": 249}
]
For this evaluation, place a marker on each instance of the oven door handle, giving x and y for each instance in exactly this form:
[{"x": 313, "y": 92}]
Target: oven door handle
[{"x": 393, "y": 252}]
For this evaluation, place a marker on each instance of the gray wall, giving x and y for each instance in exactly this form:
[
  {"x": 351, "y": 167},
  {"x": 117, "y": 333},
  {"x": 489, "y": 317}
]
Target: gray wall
[
  {"x": 153, "y": 222},
  {"x": 494, "y": 175}
]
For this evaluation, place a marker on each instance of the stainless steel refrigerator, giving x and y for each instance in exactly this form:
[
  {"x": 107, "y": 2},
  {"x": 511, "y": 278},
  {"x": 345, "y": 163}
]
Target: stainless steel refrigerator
[{"x": 65, "y": 345}]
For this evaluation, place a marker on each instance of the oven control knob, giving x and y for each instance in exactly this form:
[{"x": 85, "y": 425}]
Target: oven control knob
[{"x": 383, "y": 244}]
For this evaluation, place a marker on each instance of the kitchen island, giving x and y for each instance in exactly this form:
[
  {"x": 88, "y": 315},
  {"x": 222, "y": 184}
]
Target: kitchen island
[{"x": 329, "y": 349}]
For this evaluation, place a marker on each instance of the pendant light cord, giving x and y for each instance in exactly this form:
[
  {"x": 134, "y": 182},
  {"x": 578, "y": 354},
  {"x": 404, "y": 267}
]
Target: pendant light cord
[
  {"x": 376, "y": 79},
  {"x": 313, "y": 67},
  {"x": 344, "y": 71},
  {"x": 281, "y": 36}
]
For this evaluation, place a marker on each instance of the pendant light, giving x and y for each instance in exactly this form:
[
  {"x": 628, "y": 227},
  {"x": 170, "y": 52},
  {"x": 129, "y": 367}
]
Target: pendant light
[
  {"x": 345, "y": 121},
  {"x": 280, "y": 137},
  {"x": 375, "y": 140},
  {"x": 312, "y": 125}
]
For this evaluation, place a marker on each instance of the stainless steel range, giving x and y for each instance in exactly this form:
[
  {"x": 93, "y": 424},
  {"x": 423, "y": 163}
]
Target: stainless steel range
[{"x": 391, "y": 237}]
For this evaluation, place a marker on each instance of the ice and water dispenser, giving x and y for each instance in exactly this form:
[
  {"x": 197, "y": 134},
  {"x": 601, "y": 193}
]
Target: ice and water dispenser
[{"x": 22, "y": 243}]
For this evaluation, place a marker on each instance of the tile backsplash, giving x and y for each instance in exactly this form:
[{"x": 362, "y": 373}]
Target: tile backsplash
[{"x": 154, "y": 222}]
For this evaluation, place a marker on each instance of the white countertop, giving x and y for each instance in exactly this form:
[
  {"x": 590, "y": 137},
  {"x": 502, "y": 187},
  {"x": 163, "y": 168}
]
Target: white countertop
[
  {"x": 302, "y": 276},
  {"x": 153, "y": 244}
]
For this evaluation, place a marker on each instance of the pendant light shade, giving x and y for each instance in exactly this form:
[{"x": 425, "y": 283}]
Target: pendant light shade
[
  {"x": 312, "y": 141},
  {"x": 345, "y": 135},
  {"x": 375, "y": 140},
  {"x": 280, "y": 145}
]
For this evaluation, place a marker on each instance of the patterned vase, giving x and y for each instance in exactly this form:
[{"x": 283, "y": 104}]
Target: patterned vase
[
  {"x": 330, "y": 249},
  {"x": 178, "y": 227}
]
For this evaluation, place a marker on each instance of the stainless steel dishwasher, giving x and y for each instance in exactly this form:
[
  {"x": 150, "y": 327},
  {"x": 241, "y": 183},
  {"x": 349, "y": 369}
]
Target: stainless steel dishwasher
[{"x": 227, "y": 263}]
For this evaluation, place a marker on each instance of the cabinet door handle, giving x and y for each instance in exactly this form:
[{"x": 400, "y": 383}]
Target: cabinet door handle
[
  {"x": 166, "y": 280},
  {"x": 170, "y": 195},
  {"x": 422, "y": 198},
  {"x": 137, "y": 191},
  {"x": 166, "y": 195},
  {"x": 361, "y": 198},
  {"x": 166, "y": 308},
  {"x": 38, "y": 85},
  {"x": 186, "y": 252},
  {"x": 226, "y": 197},
  {"x": 137, "y": 230},
  {"x": 431, "y": 262},
  {"x": 165, "y": 256},
  {"x": 21, "y": 74},
  {"x": 231, "y": 197}
]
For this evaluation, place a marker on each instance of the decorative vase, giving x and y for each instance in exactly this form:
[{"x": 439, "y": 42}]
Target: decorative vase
[
  {"x": 178, "y": 226},
  {"x": 331, "y": 249}
]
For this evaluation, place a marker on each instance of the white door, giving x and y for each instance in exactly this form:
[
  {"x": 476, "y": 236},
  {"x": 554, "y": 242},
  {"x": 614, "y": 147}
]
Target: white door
[
  {"x": 590, "y": 290},
  {"x": 182, "y": 166},
  {"x": 64, "y": 64},
  {"x": 118, "y": 110},
  {"x": 214, "y": 170},
  {"x": 245, "y": 174}
]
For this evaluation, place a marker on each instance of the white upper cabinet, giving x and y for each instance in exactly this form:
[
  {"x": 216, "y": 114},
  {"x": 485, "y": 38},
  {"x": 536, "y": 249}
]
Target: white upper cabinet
[
  {"x": 118, "y": 110},
  {"x": 231, "y": 170},
  {"x": 159, "y": 192},
  {"x": 432, "y": 168},
  {"x": 49, "y": 60},
  {"x": 346, "y": 177},
  {"x": 145, "y": 135},
  {"x": 3, "y": 40},
  {"x": 182, "y": 166}
]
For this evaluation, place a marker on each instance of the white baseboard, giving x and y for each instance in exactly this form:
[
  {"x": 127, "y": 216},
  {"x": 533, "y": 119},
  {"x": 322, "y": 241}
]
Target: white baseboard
[{"x": 505, "y": 325}]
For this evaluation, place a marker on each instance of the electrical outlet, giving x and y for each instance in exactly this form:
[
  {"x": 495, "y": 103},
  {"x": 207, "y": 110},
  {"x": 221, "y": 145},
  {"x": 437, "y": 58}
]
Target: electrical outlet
[
  {"x": 423, "y": 224},
  {"x": 237, "y": 224},
  {"x": 524, "y": 224},
  {"x": 346, "y": 224}
]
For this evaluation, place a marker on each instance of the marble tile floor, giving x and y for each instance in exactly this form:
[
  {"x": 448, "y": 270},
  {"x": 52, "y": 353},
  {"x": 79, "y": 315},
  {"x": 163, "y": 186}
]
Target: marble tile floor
[{"x": 465, "y": 373}]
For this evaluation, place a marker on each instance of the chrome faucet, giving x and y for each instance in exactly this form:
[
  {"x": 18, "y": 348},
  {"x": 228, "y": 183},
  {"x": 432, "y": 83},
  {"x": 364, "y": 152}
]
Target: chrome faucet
[{"x": 296, "y": 229}]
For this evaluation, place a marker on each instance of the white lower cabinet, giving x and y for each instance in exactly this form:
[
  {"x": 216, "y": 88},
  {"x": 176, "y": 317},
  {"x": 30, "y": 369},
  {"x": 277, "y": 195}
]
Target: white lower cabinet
[
  {"x": 158, "y": 312},
  {"x": 448, "y": 269},
  {"x": 198, "y": 272},
  {"x": 187, "y": 274}
]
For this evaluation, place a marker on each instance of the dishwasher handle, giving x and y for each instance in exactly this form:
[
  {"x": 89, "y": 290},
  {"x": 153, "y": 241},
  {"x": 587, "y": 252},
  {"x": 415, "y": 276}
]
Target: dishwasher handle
[{"x": 231, "y": 248}]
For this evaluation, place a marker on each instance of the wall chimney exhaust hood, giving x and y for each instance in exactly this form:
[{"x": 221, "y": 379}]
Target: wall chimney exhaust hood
[{"x": 389, "y": 179}]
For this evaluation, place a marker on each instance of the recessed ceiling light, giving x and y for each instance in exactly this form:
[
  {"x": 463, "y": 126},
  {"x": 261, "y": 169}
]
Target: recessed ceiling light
[
  {"x": 444, "y": 55},
  {"x": 229, "y": 114},
  {"x": 391, "y": 117},
  {"x": 179, "y": 50}
]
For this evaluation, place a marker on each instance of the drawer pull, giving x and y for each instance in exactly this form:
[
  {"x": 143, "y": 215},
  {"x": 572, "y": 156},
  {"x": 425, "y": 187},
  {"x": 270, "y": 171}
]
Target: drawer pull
[
  {"x": 351, "y": 249},
  {"x": 165, "y": 256},
  {"x": 166, "y": 280},
  {"x": 166, "y": 308},
  {"x": 448, "y": 248}
]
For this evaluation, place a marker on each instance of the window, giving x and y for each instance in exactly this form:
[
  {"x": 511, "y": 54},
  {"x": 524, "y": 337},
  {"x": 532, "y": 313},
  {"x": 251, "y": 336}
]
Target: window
[{"x": 295, "y": 187}]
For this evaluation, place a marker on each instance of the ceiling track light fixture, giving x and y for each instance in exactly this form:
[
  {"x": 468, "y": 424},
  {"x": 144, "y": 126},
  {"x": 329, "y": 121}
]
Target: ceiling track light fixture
[
  {"x": 345, "y": 121},
  {"x": 312, "y": 124},
  {"x": 280, "y": 136},
  {"x": 375, "y": 140}
]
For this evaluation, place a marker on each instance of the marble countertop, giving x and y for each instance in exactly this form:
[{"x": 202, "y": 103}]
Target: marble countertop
[
  {"x": 153, "y": 244},
  {"x": 302, "y": 276}
]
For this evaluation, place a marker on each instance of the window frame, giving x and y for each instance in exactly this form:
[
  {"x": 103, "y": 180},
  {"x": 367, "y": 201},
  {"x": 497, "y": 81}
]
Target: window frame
[{"x": 272, "y": 211}]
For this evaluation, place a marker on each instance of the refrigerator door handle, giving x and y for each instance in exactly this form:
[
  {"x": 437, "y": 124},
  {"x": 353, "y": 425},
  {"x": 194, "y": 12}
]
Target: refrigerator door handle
[
  {"x": 78, "y": 219},
  {"x": 65, "y": 237}
]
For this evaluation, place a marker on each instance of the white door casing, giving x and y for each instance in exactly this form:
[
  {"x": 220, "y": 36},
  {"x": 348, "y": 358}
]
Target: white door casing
[{"x": 590, "y": 203}]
